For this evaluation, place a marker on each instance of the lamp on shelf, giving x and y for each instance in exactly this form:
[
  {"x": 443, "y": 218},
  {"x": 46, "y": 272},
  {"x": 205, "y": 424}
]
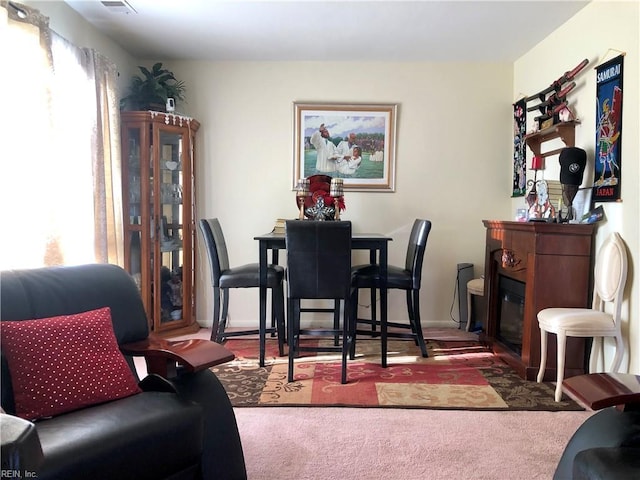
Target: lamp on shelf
[
  {"x": 302, "y": 191},
  {"x": 537, "y": 163},
  {"x": 337, "y": 191}
]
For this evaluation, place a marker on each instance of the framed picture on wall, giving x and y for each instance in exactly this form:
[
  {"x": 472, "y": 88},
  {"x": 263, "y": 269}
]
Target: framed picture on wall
[{"x": 355, "y": 142}]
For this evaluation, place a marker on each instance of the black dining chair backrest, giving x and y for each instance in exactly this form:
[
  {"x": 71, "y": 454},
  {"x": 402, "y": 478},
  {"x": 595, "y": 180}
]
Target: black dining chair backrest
[
  {"x": 319, "y": 267},
  {"x": 318, "y": 258},
  {"x": 415, "y": 250},
  {"x": 216, "y": 248},
  {"x": 224, "y": 277},
  {"x": 407, "y": 277}
]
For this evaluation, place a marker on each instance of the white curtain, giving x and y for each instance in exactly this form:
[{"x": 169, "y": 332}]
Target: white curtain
[{"x": 60, "y": 160}]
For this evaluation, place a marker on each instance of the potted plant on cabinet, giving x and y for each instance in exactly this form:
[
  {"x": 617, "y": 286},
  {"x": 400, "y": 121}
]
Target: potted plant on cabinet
[{"x": 151, "y": 91}]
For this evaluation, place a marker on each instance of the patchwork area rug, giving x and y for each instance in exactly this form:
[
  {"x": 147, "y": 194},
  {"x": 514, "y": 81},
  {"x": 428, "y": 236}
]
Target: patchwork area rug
[{"x": 461, "y": 375}]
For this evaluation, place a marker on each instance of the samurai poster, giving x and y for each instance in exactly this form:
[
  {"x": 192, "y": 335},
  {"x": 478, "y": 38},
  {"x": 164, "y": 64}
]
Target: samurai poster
[
  {"x": 608, "y": 164},
  {"x": 519, "y": 148}
]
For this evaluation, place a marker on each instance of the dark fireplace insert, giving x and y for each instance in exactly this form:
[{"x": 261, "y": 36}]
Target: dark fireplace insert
[{"x": 510, "y": 313}]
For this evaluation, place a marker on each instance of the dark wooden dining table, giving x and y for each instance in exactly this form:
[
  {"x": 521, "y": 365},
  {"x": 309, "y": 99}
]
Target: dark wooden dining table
[{"x": 375, "y": 243}]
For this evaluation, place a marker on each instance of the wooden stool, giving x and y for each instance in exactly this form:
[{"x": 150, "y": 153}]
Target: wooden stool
[{"x": 474, "y": 287}]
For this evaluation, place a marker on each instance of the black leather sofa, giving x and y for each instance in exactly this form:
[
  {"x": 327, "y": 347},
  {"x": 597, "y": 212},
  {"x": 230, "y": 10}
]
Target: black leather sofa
[{"x": 180, "y": 427}]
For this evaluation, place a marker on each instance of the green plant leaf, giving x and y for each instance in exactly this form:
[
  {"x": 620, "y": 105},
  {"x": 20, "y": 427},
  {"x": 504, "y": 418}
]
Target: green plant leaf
[{"x": 153, "y": 88}]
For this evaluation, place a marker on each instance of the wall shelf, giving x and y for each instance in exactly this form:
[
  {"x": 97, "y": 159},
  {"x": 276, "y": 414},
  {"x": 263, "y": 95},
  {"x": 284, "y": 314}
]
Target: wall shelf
[{"x": 564, "y": 130}]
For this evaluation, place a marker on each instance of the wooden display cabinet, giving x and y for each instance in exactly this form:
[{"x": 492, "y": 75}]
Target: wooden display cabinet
[
  {"x": 158, "y": 155},
  {"x": 530, "y": 266}
]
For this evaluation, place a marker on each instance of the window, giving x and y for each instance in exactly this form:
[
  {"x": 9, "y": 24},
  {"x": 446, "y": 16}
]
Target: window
[{"x": 60, "y": 193}]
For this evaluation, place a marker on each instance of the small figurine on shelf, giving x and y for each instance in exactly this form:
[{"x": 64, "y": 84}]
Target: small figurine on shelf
[
  {"x": 537, "y": 163},
  {"x": 542, "y": 209}
]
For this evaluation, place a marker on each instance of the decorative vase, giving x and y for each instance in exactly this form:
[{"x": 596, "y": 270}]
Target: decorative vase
[{"x": 315, "y": 207}]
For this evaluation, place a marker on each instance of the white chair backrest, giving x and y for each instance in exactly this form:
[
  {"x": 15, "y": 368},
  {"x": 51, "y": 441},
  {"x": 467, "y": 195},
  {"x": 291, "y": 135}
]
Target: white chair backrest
[{"x": 610, "y": 274}]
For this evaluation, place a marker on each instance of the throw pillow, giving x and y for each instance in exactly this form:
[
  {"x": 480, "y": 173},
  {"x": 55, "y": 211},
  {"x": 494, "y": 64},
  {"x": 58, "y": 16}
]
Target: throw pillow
[{"x": 64, "y": 363}]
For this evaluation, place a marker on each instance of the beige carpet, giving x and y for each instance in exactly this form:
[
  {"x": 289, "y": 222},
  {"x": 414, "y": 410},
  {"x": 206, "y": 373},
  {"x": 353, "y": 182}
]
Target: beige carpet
[
  {"x": 334, "y": 443},
  {"x": 309, "y": 443}
]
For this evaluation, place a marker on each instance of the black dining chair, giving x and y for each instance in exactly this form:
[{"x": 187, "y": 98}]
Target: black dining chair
[
  {"x": 224, "y": 277},
  {"x": 408, "y": 278},
  {"x": 318, "y": 267}
]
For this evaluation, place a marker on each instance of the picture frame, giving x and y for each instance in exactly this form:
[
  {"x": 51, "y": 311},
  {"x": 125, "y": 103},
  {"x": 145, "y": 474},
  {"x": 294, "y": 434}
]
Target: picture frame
[{"x": 325, "y": 135}]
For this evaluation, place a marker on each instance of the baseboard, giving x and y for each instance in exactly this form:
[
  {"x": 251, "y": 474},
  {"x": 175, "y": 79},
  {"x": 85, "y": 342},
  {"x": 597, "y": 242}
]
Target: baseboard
[{"x": 440, "y": 324}]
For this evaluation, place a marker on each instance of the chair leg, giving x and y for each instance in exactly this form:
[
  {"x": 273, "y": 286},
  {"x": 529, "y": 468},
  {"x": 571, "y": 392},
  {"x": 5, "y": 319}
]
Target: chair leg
[
  {"x": 353, "y": 321},
  {"x": 293, "y": 315},
  {"x": 384, "y": 329},
  {"x": 597, "y": 353},
  {"x": 413, "y": 296},
  {"x": 274, "y": 315},
  {"x": 468, "y": 311},
  {"x": 225, "y": 314},
  {"x": 216, "y": 316},
  {"x": 278, "y": 303},
  {"x": 373, "y": 309},
  {"x": 336, "y": 321},
  {"x": 262, "y": 333},
  {"x": 411, "y": 313},
  {"x": 562, "y": 344},
  {"x": 620, "y": 350},
  {"x": 219, "y": 319},
  {"x": 346, "y": 343},
  {"x": 543, "y": 355}
]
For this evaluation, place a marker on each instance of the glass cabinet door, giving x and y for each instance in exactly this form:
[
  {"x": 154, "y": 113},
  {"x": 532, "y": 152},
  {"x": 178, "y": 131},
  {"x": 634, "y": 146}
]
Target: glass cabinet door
[
  {"x": 169, "y": 218},
  {"x": 137, "y": 190}
]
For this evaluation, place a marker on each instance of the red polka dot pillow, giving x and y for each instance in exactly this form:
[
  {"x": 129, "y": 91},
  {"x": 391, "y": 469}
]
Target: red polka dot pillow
[{"x": 64, "y": 363}]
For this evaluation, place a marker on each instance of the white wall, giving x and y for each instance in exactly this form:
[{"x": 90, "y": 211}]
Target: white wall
[
  {"x": 599, "y": 27},
  {"x": 453, "y": 153},
  {"x": 454, "y": 145}
]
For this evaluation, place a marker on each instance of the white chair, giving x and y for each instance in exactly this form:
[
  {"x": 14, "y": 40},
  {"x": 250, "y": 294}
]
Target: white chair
[
  {"x": 609, "y": 278},
  {"x": 474, "y": 287}
]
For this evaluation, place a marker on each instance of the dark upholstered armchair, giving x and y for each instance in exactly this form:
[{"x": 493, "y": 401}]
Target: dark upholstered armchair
[
  {"x": 73, "y": 406},
  {"x": 607, "y": 444}
]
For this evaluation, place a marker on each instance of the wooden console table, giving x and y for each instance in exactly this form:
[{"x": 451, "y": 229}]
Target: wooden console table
[{"x": 554, "y": 262}]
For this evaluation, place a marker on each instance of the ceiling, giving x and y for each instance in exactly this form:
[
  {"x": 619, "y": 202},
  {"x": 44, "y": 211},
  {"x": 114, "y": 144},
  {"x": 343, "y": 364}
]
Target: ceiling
[{"x": 427, "y": 30}]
